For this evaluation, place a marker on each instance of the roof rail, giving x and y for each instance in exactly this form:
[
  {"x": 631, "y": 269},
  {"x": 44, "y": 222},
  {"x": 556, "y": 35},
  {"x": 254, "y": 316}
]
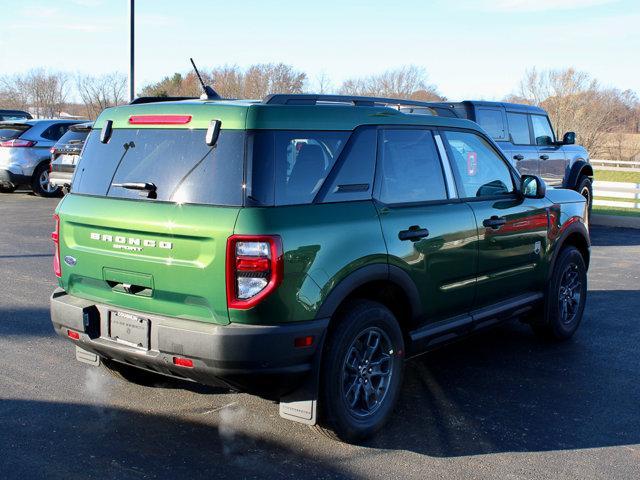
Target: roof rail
[
  {"x": 358, "y": 101},
  {"x": 139, "y": 100}
]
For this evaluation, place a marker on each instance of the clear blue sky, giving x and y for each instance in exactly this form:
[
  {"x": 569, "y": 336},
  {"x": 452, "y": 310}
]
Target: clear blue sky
[{"x": 470, "y": 48}]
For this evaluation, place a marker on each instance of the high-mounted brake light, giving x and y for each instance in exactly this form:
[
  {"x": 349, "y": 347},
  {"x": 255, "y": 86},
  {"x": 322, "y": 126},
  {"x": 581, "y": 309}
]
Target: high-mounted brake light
[
  {"x": 255, "y": 266},
  {"x": 159, "y": 119},
  {"x": 17, "y": 142},
  {"x": 55, "y": 236}
]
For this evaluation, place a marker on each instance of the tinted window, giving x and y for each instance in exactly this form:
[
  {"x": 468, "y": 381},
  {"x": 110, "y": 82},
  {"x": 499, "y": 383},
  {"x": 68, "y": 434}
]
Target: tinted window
[
  {"x": 289, "y": 167},
  {"x": 177, "y": 161},
  {"x": 409, "y": 168},
  {"x": 55, "y": 131},
  {"x": 492, "y": 122},
  {"x": 518, "y": 128},
  {"x": 73, "y": 137},
  {"x": 14, "y": 131},
  {"x": 479, "y": 170},
  {"x": 354, "y": 180},
  {"x": 542, "y": 130}
]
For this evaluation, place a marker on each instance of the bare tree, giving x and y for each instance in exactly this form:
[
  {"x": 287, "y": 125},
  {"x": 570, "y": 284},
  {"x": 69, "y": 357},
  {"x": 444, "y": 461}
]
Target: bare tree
[
  {"x": 98, "y": 93},
  {"x": 256, "y": 81},
  {"x": 42, "y": 92},
  {"x": 577, "y": 102},
  {"x": 405, "y": 82}
]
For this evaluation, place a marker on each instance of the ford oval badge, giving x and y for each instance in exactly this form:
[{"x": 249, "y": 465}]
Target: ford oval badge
[{"x": 69, "y": 260}]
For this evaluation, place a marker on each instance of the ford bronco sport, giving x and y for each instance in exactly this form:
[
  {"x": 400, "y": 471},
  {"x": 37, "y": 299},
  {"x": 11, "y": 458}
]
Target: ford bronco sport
[{"x": 302, "y": 247}]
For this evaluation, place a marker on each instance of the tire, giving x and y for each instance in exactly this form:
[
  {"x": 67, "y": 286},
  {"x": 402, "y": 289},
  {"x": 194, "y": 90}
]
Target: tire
[
  {"x": 131, "y": 374},
  {"x": 362, "y": 323},
  {"x": 40, "y": 182},
  {"x": 565, "y": 297},
  {"x": 8, "y": 189},
  {"x": 585, "y": 188}
]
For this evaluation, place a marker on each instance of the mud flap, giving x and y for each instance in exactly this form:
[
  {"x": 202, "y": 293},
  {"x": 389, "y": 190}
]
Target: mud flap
[
  {"x": 87, "y": 357},
  {"x": 302, "y": 405}
]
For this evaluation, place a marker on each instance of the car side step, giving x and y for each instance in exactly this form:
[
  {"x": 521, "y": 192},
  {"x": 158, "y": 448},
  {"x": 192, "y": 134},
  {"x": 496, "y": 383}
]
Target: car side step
[{"x": 449, "y": 329}]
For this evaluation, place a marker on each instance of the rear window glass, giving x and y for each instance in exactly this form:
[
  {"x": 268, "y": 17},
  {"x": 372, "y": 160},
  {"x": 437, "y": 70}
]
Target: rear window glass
[
  {"x": 73, "y": 138},
  {"x": 178, "y": 162},
  {"x": 289, "y": 167},
  {"x": 7, "y": 133}
]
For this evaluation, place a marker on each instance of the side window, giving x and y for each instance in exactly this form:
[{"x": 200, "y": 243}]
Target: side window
[
  {"x": 542, "y": 130},
  {"x": 491, "y": 120},
  {"x": 518, "y": 128},
  {"x": 354, "y": 180},
  {"x": 479, "y": 170},
  {"x": 409, "y": 168},
  {"x": 55, "y": 131}
]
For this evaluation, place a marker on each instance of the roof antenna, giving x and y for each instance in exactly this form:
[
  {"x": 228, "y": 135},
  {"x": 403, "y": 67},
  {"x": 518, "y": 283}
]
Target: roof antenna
[{"x": 209, "y": 93}]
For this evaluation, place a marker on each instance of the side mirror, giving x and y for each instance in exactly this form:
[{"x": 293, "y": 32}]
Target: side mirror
[
  {"x": 569, "y": 138},
  {"x": 533, "y": 186}
]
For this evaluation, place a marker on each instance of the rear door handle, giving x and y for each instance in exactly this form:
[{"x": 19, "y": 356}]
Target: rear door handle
[
  {"x": 518, "y": 157},
  {"x": 414, "y": 233},
  {"x": 494, "y": 222},
  {"x": 544, "y": 157}
]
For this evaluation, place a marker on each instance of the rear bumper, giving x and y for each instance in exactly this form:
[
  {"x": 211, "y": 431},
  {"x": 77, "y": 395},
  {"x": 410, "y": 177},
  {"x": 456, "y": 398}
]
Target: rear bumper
[
  {"x": 257, "y": 359},
  {"x": 9, "y": 177},
  {"x": 60, "y": 178}
]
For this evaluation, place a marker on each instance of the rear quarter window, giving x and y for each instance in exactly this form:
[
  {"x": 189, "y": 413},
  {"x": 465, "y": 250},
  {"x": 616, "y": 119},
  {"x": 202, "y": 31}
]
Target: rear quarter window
[
  {"x": 289, "y": 167},
  {"x": 491, "y": 120}
]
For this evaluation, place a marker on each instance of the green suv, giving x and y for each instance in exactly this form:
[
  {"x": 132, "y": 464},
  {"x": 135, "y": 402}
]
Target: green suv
[{"x": 302, "y": 247}]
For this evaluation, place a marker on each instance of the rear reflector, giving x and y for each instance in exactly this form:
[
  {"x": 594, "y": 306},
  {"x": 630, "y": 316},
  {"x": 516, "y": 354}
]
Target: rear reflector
[
  {"x": 183, "y": 362},
  {"x": 301, "y": 342},
  {"x": 73, "y": 335},
  {"x": 159, "y": 119}
]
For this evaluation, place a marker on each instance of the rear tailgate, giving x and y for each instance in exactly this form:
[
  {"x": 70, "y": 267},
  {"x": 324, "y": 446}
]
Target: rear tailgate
[
  {"x": 155, "y": 257},
  {"x": 159, "y": 249}
]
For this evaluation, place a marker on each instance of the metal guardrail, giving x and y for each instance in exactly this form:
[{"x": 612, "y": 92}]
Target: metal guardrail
[{"x": 627, "y": 193}]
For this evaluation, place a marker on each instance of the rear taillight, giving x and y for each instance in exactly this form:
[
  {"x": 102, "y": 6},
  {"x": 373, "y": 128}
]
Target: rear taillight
[
  {"x": 254, "y": 268},
  {"x": 55, "y": 236},
  {"x": 17, "y": 142}
]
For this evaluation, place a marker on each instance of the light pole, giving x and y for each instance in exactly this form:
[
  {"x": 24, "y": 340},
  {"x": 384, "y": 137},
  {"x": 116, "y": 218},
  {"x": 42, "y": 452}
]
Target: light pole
[{"x": 132, "y": 89}]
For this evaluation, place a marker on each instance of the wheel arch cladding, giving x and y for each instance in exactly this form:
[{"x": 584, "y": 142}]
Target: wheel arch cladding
[
  {"x": 576, "y": 235},
  {"x": 578, "y": 169},
  {"x": 387, "y": 284}
]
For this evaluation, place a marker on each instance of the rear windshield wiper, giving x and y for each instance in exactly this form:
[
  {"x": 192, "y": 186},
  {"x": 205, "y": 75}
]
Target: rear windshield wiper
[{"x": 142, "y": 186}]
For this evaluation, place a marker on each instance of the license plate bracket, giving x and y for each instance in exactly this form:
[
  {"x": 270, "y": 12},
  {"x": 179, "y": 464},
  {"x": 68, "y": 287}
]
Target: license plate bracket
[{"x": 129, "y": 329}]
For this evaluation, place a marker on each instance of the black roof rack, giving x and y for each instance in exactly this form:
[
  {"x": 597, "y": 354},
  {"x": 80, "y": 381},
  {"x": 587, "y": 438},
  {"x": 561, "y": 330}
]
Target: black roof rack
[
  {"x": 358, "y": 101},
  {"x": 139, "y": 100}
]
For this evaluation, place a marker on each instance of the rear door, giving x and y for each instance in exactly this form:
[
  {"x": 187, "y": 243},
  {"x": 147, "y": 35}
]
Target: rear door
[
  {"x": 553, "y": 162},
  {"x": 162, "y": 249},
  {"x": 522, "y": 151},
  {"x": 511, "y": 229},
  {"x": 429, "y": 233}
]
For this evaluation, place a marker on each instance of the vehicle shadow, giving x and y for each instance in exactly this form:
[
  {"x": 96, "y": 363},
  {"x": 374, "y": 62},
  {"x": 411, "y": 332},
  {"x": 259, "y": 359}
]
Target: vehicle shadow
[
  {"x": 66, "y": 440},
  {"x": 613, "y": 237},
  {"x": 506, "y": 391}
]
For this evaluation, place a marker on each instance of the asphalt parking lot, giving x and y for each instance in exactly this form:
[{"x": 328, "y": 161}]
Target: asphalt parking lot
[{"x": 499, "y": 405}]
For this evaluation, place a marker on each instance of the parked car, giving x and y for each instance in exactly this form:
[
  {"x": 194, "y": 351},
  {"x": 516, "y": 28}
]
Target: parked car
[
  {"x": 14, "y": 115},
  {"x": 25, "y": 155},
  {"x": 302, "y": 247},
  {"x": 65, "y": 153},
  {"x": 525, "y": 135}
]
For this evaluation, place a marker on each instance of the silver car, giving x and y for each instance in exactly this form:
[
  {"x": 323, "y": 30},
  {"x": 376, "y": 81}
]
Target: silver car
[{"x": 25, "y": 154}]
